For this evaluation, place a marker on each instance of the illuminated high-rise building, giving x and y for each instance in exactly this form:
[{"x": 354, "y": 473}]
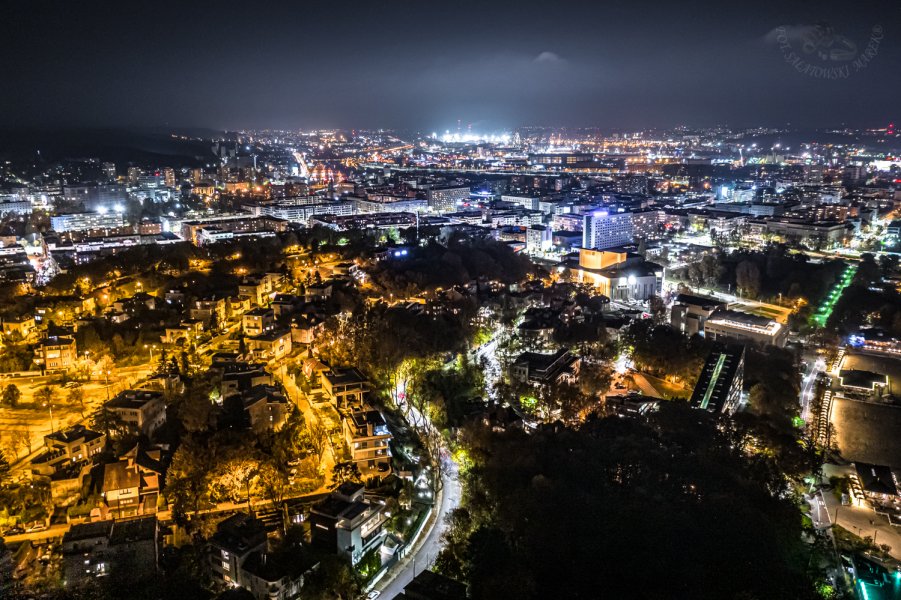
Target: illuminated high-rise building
[
  {"x": 603, "y": 229},
  {"x": 133, "y": 174},
  {"x": 169, "y": 177},
  {"x": 109, "y": 171}
]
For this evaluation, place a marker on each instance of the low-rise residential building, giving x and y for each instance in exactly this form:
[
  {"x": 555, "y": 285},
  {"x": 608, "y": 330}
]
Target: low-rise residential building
[
  {"x": 97, "y": 549},
  {"x": 209, "y": 310},
  {"x": 285, "y": 305},
  {"x": 277, "y": 576},
  {"x": 236, "y": 538},
  {"x": 258, "y": 321},
  {"x": 144, "y": 410},
  {"x": 239, "y": 556},
  {"x": 184, "y": 333},
  {"x": 345, "y": 387},
  {"x": 266, "y": 407},
  {"x": 22, "y": 326},
  {"x": 304, "y": 329},
  {"x": 368, "y": 437},
  {"x": 271, "y": 345},
  {"x": 260, "y": 289},
  {"x": 238, "y": 376},
  {"x": 56, "y": 353},
  {"x": 75, "y": 443},
  {"x": 131, "y": 485},
  {"x": 347, "y": 523},
  {"x": 544, "y": 369}
]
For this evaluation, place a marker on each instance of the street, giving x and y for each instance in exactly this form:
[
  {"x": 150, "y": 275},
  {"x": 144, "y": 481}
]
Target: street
[
  {"x": 427, "y": 549},
  {"x": 26, "y": 425},
  {"x": 861, "y": 521},
  {"x": 808, "y": 385}
]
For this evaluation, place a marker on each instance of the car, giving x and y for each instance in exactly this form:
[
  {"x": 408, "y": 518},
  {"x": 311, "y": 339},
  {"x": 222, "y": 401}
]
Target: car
[
  {"x": 36, "y": 528},
  {"x": 373, "y": 595},
  {"x": 17, "y": 530}
]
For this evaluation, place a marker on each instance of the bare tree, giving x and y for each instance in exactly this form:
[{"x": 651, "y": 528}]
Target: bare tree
[
  {"x": 76, "y": 397},
  {"x": 318, "y": 438},
  {"x": 21, "y": 440}
]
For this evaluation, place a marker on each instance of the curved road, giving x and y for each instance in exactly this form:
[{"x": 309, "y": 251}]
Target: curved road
[{"x": 428, "y": 547}]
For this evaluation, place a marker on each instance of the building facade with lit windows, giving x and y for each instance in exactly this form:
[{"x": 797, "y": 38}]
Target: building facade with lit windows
[
  {"x": 57, "y": 353},
  {"x": 347, "y": 522},
  {"x": 603, "y": 229},
  {"x": 366, "y": 434},
  {"x": 730, "y": 324},
  {"x": 144, "y": 410},
  {"x": 619, "y": 275},
  {"x": 447, "y": 199}
]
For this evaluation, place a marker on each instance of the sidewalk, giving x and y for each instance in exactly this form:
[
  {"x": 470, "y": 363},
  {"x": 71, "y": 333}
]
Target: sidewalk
[{"x": 398, "y": 568}]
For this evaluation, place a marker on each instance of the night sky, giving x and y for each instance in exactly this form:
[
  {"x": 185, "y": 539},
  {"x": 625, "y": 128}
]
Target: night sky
[{"x": 424, "y": 65}]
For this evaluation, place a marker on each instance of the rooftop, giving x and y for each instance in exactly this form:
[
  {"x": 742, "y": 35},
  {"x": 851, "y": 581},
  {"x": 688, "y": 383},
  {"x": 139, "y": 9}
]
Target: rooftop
[
  {"x": 239, "y": 533},
  {"x": 703, "y": 301},
  {"x": 133, "y": 530},
  {"x": 876, "y": 479},
  {"x": 715, "y": 384},
  {"x": 74, "y": 434},
  {"x": 134, "y": 399},
  {"x": 350, "y": 376},
  {"x": 866, "y": 380}
]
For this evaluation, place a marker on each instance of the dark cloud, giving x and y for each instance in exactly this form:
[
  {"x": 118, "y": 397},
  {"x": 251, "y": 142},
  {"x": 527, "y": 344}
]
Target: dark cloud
[{"x": 426, "y": 65}]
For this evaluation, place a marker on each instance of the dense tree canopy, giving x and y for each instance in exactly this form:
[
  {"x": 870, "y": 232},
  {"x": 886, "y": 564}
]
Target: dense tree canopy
[{"x": 618, "y": 508}]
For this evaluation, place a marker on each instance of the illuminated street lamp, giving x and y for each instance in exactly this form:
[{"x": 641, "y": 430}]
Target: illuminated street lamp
[{"x": 49, "y": 406}]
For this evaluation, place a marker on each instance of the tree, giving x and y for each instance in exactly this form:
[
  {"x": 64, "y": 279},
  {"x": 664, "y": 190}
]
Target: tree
[
  {"x": 747, "y": 278},
  {"x": 196, "y": 411},
  {"x": 344, "y": 472},
  {"x": 594, "y": 377},
  {"x": 711, "y": 270},
  {"x": 239, "y": 475},
  {"x": 334, "y": 579},
  {"x": 45, "y": 396},
  {"x": 11, "y": 395},
  {"x": 274, "y": 482},
  {"x": 642, "y": 247},
  {"x": 21, "y": 440},
  {"x": 317, "y": 438},
  {"x": 188, "y": 479},
  {"x": 108, "y": 422},
  {"x": 76, "y": 397},
  {"x": 5, "y": 470},
  {"x": 657, "y": 308},
  {"x": 675, "y": 492}
]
